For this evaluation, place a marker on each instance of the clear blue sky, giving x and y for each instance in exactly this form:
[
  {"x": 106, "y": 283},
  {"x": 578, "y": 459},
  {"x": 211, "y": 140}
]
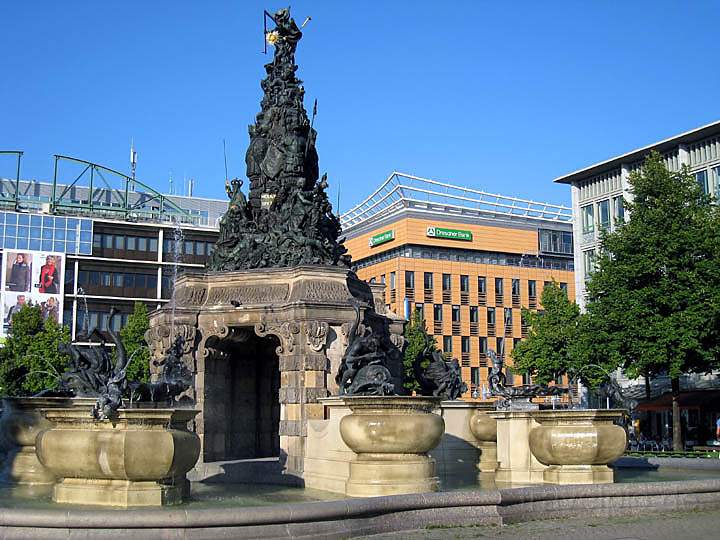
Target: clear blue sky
[{"x": 500, "y": 96}]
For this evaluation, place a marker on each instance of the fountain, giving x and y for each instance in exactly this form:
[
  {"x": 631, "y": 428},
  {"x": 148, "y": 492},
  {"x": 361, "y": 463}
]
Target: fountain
[{"x": 255, "y": 346}]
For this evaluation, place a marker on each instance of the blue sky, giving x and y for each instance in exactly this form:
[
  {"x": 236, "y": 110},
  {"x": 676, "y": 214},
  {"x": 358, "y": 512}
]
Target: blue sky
[{"x": 500, "y": 96}]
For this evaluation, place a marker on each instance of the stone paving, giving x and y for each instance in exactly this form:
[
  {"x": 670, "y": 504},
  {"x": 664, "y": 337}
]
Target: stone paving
[{"x": 695, "y": 525}]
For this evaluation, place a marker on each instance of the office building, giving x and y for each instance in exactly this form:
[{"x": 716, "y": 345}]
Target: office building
[
  {"x": 122, "y": 241},
  {"x": 598, "y": 190},
  {"x": 467, "y": 260}
]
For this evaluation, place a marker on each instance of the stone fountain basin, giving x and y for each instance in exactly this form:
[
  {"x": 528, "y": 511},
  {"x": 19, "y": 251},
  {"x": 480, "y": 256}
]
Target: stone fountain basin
[
  {"x": 140, "y": 444},
  {"x": 392, "y": 424},
  {"x": 578, "y": 437},
  {"x": 139, "y": 458}
]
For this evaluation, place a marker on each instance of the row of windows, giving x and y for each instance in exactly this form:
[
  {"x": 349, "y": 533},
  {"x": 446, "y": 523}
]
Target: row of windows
[
  {"x": 467, "y": 255},
  {"x": 116, "y": 279},
  {"x": 446, "y": 283},
  {"x": 602, "y": 214},
  {"x": 473, "y": 315},
  {"x": 99, "y": 320},
  {"x": 499, "y": 348},
  {"x": 125, "y": 242},
  {"x": 198, "y": 248},
  {"x": 46, "y": 233},
  {"x": 598, "y": 185}
]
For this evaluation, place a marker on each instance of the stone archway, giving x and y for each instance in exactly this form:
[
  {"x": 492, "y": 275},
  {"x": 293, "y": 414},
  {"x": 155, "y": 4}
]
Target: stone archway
[{"x": 241, "y": 398}]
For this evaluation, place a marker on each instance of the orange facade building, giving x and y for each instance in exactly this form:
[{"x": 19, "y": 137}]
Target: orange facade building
[{"x": 467, "y": 260}]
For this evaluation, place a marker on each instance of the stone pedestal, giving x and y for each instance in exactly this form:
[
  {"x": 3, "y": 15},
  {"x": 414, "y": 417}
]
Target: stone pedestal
[
  {"x": 391, "y": 436},
  {"x": 138, "y": 459},
  {"x": 299, "y": 318},
  {"x": 516, "y": 463},
  {"x": 21, "y": 421},
  {"x": 327, "y": 457},
  {"x": 578, "y": 445},
  {"x": 457, "y": 455},
  {"x": 484, "y": 428}
]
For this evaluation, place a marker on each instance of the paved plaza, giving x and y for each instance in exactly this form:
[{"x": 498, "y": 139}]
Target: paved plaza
[{"x": 696, "y": 525}]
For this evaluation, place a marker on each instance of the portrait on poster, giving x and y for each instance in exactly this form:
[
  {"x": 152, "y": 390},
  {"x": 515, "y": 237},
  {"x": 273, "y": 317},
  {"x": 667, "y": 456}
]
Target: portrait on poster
[
  {"x": 18, "y": 271},
  {"x": 47, "y": 272}
]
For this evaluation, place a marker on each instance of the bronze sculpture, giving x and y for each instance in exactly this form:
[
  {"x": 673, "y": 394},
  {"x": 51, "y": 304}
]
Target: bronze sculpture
[{"x": 287, "y": 219}]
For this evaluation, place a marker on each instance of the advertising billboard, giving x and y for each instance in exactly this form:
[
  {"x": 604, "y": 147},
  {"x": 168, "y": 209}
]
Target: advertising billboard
[{"x": 31, "y": 278}]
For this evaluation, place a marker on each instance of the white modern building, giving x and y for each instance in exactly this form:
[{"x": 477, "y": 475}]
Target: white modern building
[{"x": 597, "y": 190}]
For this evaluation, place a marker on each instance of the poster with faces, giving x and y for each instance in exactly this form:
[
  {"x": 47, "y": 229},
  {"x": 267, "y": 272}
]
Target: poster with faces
[{"x": 33, "y": 278}]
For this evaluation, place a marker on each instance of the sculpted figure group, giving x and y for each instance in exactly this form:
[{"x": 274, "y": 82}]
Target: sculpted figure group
[{"x": 287, "y": 219}]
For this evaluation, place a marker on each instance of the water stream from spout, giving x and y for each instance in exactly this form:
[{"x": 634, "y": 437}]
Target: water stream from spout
[{"x": 177, "y": 246}]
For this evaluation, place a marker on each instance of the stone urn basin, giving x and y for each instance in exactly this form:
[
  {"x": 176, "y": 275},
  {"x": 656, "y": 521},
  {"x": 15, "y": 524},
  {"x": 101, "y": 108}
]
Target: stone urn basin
[
  {"x": 20, "y": 423},
  {"x": 391, "y": 436},
  {"x": 484, "y": 429},
  {"x": 578, "y": 445},
  {"x": 139, "y": 458}
]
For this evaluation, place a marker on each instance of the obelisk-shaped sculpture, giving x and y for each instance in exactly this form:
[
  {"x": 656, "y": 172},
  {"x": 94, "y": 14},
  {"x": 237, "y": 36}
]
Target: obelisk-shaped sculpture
[{"x": 287, "y": 220}]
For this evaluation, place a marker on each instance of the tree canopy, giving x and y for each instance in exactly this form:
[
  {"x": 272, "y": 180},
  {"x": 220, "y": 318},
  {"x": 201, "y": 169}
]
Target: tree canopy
[
  {"x": 550, "y": 349},
  {"x": 133, "y": 338},
  {"x": 30, "y": 361},
  {"x": 417, "y": 337},
  {"x": 654, "y": 299}
]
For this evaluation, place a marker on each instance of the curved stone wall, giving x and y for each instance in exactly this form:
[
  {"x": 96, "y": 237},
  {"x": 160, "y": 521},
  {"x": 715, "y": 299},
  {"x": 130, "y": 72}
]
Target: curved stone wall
[{"x": 355, "y": 517}]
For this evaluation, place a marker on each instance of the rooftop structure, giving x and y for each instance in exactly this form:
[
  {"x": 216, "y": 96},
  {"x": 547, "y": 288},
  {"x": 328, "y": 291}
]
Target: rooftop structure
[{"x": 405, "y": 192}]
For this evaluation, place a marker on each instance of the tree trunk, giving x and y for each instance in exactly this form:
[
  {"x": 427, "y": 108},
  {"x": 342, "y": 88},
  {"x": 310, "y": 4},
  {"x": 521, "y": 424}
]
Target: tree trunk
[
  {"x": 648, "y": 392},
  {"x": 676, "y": 425}
]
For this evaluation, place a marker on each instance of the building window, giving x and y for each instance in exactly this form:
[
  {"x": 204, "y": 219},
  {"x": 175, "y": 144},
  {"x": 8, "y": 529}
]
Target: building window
[
  {"x": 619, "y": 209},
  {"x": 701, "y": 178},
  {"x": 473, "y": 314},
  {"x": 409, "y": 280},
  {"x": 509, "y": 376},
  {"x": 491, "y": 315},
  {"x": 604, "y": 213},
  {"x": 563, "y": 286},
  {"x": 372, "y": 280},
  {"x": 532, "y": 288},
  {"x": 516, "y": 342},
  {"x": 465, "y": 284},
  {"x": 508, "y": 317},
  {"x": 482, "y": 285},
  {"x": 588, "y": 218},
  {"x": 483, "y": 345},
  {"x": 437, "y": 312},
  {"x": 716, "y": 181},
  {"x": 428, "y": 280},
  {"x": 498, "y": 286},
  {"x": 516, "y": 287},
  {"x": 420, "y": 310},
  {"x": 392, "y": 280},
  {"x": 588, "y": 261},
  {"x": 456, "y": 314},
  {"x": 382, "y": 279},
  {"x": 446, "y": 282},
  {"x": 546, "y": 284},
  {"x": 475, "y": 376},
  {"x": 465, "y": 344},
  {"x": 556, "y": 241},
  {"x": 500, "y": 345},
  {"x": 526, "y": 378},
  {"x": 447, "y": 344}
]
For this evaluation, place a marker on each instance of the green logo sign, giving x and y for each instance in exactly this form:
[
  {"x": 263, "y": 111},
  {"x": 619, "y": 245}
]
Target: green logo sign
[
  {"x": 449, "y": 234},
  {"x": 382, "y": 238}
]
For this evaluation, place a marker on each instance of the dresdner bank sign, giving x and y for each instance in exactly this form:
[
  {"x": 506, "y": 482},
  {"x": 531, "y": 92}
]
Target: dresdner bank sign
[{"x": 449, "y": 234}]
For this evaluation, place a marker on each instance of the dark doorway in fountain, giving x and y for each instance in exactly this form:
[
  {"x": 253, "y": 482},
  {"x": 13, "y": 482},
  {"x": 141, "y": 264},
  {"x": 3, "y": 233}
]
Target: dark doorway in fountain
[{"x": 242, "y": 409}]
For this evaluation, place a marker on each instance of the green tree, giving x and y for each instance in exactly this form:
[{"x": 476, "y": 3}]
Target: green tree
[
  {"x": 133, "y": 338},
  {"x": 417, "y": 339},
  {"x": 654, "y": 298},
  {"x": 550, "y": 349},
  {"x": 30, "y": 361}
]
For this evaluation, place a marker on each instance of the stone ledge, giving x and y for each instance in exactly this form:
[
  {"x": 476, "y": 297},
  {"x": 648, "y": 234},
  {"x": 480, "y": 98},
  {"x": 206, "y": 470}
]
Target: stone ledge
[{"x": 354, "y": 517}]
